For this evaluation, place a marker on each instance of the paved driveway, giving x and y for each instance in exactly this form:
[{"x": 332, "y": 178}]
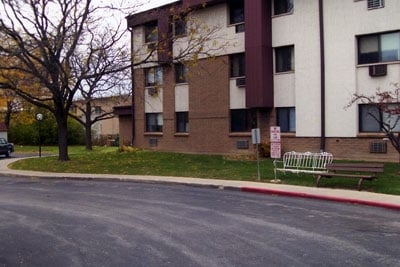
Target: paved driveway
[{"x": 92, "y": 223}]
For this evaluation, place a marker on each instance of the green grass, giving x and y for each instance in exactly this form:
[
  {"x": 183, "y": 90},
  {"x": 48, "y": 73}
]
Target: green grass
[{"x": 108, "y": 160}]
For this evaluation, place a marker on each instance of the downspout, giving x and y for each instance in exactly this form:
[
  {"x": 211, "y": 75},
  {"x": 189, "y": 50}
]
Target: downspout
[
  {"x": 132, "y": 90},
  {"x": 322, "y": 62}
]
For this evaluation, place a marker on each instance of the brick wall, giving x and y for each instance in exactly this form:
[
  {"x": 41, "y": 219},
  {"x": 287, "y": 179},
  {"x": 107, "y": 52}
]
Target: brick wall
[
  {"x": 209, "y": 120},
  {"x": 341, "y": 148},
  {"x": 209, "y": 116}
]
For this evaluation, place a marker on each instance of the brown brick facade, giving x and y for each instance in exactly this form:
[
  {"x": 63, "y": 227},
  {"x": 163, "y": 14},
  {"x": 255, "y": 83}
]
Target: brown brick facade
[
  {"x": 209, "y": 114},
  {"x": 341, "y": 147},
  {"x": 209, "y": 120}
]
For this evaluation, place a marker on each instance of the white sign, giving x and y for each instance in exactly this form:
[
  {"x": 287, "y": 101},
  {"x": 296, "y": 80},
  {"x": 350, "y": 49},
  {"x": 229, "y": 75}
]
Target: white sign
[
  {"x": 255, "y": 136},
  {"x": 275, "y": 150},
  {"x": 275, "y": 134}
]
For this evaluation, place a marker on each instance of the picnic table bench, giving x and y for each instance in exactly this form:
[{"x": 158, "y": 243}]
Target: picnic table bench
[
  {"x": 303, "y": 162},
  {"x": 360, "y": 171}
]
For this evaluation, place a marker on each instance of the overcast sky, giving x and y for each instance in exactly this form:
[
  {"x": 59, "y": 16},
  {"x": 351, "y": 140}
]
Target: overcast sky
[{"x": 149, "y": 4}]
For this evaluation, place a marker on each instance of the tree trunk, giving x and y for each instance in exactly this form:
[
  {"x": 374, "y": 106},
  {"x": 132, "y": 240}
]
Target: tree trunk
[
  {"x": 62, "y": 138},
  {"x": 88, "y": 136},
  {"x": 7, "y": 117},
  {"x": 88, "y": 126}
]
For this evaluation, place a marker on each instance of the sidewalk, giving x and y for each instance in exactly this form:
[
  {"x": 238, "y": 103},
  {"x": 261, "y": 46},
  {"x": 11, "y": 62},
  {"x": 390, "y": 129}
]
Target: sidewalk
[{"x": 339, "y": 195}]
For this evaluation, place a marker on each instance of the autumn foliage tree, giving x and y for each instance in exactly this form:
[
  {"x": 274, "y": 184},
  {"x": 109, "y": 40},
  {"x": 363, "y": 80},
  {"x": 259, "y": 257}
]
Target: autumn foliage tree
[{"x": 385, "y": 110}]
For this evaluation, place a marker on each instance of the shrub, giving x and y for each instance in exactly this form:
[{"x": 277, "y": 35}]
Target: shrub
[
  {"x": 24, "y": 130},
  {"x": 128, "y": 149},
  {"x": 265, "y": 149}
]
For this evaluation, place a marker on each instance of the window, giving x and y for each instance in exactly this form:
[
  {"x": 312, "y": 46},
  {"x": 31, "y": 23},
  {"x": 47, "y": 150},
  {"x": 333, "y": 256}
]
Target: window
[
  {"x": 154, "y": 76},
  {"x": 286, "y": 119},
  {"x": 181, "y": 73},
  {"x": 284, "y": 58},
  {"x": 237, "y": 65},
  {"x": 376, "y": 48},
  {"x": 243, "y": 120},
  {"x": 154, "y": 122},
  {"x": 283, "y": 7},
  {"x": 182, "y": 122},
  {"x": 180, "y": 26},
  {"x": 151, "y": 32},
  {"x": 372, "y": 120},
  {"x": 97, "y": 110},
  {"x": 373, "y": 4},
  {"x": 236, "y": 14}
]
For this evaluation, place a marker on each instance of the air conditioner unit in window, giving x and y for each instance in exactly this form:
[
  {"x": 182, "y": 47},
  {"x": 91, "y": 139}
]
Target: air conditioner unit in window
[
  {"x": 377, "y": 70},
  {"x": 372, "y": 4},
  {"x": 152, "y": 91},
  {"x": 241, "y": 82}
]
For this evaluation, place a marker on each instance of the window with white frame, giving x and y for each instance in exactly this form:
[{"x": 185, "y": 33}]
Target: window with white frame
[
  {"x": 284, "y": 58},
  {"x": 181, "y": 73},
  {"x": 372, "y": 119},
  {"x": 237, "y": 65},
  {"x": 153, "y": 76},
  {"x": 179, "y": 25},
  {"x": 97, "y": 110},
  {"x": 236, "y": 14},
  {"x": 282, "y": 7},
  {"x": 182, "y": 122},
  {"x": 151, "y": 32},
  {"x": 154, "y": 122},
  {"x": 286, "y": 119},
  {"x": 382, "y": 47}
]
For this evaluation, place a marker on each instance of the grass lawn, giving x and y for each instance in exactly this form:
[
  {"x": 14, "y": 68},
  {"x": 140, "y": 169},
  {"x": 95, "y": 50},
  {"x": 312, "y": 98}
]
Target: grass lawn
[{"x": 109, "y": 160}]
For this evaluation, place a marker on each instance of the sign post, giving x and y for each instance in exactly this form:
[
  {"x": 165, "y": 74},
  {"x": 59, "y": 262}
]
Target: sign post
[
  {"x": 275, "y": 139},
  {"x": 255, "y": 138}
]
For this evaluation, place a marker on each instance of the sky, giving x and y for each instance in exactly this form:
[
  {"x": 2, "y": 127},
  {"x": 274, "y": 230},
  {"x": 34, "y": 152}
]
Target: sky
[{"x": 149, "y": 4}]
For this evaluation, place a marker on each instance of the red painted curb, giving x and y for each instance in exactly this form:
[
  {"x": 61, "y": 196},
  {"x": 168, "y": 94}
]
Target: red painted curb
[{"x": 320, "y": 197}]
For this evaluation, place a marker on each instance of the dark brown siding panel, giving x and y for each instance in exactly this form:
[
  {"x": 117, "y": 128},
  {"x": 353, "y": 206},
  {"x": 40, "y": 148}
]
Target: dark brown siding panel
[
  {"x": 200, "y": 3},
  {"x": 165, "y": 46},
  {"x": 258, "y": 43}
]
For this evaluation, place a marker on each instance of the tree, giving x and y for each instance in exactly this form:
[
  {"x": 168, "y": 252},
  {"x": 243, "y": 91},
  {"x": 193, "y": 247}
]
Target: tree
[
  {"x": 50, "y": 43},
  {"x": 107, "y": 85},
  {"x": 199, "y": 41},
  {"x": 62, "y": 47},
  {"x": 385, "y": 110}
]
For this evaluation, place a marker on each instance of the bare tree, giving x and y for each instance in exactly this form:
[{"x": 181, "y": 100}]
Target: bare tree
[
  {"x": 63, "y": 47},
  {"x": 49, "y": 43},
  {"x": 93, "y": 88},
  {"x": 385, "y": 110}
]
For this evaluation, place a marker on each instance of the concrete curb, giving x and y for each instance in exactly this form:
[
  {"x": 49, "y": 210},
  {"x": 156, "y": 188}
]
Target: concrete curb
[
  {"x": 321, "y": 197},
  {"x": 338, "y": 195}
]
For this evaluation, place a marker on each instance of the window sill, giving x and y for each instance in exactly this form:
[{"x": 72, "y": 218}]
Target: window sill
[
  {"x": 181, "y": 134},
  {"x": 378, "y": 63},
  {"x": 240, "y": 134},
  {"x": 288, "y": 134},
  {"x": 284, "y": 72},
  {"x": 282, "y": 14},
  {"x": 153, "y": 134},
  {"x": 372, "y": 134}
]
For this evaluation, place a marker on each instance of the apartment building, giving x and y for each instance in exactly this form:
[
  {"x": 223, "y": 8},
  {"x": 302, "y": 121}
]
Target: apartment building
[
  {"x": 289, "y": 63},
  {"x": 106, "y": 127}
]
